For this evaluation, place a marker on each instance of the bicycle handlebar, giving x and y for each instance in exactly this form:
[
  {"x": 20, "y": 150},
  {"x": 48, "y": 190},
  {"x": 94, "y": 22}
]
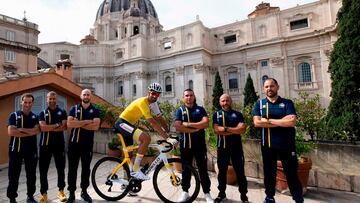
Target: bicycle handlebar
[{"x": 167, "y": 145}]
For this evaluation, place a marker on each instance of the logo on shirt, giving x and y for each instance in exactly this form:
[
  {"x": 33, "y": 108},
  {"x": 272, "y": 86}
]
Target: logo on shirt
[
  {"x": 233, "y": 115},
  {"x": 264, "y": 106},
  {"x": 197, "y": 110},
  {"x": 281, "y": 105},
  {"x": 59, "y": 113},
  {"x": 33, "y": 116},
  {"x": 91, "y": 111}
]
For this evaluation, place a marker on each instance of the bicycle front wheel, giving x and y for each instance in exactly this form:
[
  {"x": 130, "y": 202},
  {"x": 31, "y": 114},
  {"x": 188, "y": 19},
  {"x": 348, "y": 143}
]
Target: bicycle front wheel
[
  {"x": 110, "y": 188},
  {"x": 169, "y": 190}
]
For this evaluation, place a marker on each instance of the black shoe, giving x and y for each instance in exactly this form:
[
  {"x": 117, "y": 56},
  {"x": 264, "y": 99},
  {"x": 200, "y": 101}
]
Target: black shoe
[
  {"x": 30, "y": 200},
  {"x": 13, "y": 200},
  {"x": 86, "y": 197},
  {"x": 244, "y": 199},
  {"x": 220, "y": 198},
  {"x": 71, "y": 198},
  {"x": 269, "y": 200}
]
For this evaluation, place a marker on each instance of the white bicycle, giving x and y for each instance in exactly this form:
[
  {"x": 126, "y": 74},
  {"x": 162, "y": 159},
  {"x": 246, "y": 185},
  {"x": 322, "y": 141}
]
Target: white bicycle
[{"x": 112, "y": 181}]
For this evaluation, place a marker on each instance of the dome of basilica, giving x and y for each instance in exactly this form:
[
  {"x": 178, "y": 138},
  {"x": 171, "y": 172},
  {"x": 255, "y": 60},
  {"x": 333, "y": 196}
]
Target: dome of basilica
[{"x": 145, "y": 8}]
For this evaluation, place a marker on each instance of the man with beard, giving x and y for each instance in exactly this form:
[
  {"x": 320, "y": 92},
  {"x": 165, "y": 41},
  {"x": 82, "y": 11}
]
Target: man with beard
[
  {"x": 276, "y": 118},
  {"x": 229, "y": 125},
  {"x": 84, "y": 120},
  {"x": 23, "y": 126},
  {"x": 191, "y": 121},
  {"x": 52, "y": 124},
  {"x": 142, "y": 107}
]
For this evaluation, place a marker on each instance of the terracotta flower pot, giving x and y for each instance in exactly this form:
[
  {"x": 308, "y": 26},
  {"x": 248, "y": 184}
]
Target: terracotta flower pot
[
  {"x": 114, "y": 152},
  {"x": 303, "y": 174},
  {"x": 230, "y": 176},
  {"x": 147, "y": 159}
]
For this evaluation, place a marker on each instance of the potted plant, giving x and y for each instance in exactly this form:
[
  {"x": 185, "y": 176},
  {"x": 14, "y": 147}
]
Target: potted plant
[
  {"x": 304, "y": 164},
  {"x": 114, "y": 147},
  {"x": 149, "y": 157}
]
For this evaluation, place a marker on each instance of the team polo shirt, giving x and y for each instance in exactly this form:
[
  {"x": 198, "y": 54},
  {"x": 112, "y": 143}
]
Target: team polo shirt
[
  {"x": 20, "y": 120},
  {"x": 193, "y": 115},
  {"x": 80, "y": 135},
  {"x": 277, "y": 137},
  {"x": 138, "y": 108},
  {"x": 52, "y": 117},
  {"x": 229, "y": 118}
]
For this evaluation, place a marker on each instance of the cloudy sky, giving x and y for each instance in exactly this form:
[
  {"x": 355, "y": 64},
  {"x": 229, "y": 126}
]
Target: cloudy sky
[{"x": 71, "y": 20}]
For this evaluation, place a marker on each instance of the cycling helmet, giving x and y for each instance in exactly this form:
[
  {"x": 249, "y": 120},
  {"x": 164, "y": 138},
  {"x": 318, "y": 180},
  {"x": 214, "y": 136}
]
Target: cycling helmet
[{"x": 156, "y": 87}]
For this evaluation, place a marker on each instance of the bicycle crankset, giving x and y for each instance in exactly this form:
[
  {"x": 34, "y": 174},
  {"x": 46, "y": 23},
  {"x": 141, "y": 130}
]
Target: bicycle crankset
[{"x": 135, "y": 185}]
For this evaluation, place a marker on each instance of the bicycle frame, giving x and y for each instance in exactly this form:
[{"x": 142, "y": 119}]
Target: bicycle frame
[{"x": 160, "y": 158}]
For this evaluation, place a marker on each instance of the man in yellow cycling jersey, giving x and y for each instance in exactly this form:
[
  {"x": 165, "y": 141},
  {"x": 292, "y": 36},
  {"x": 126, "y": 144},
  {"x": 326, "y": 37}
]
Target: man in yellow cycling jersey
[{"x": 142, "y": 107}]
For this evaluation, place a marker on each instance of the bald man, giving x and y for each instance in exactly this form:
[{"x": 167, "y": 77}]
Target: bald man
[
  {"x": 229, "y": 125},
  {"x": 83, "y": 120}
]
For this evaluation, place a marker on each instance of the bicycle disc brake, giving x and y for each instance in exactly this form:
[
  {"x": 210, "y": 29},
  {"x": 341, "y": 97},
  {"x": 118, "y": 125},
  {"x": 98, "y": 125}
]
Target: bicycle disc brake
[
  {"x": 177, "y": 183},
  {"x": 135, "y": 185}
]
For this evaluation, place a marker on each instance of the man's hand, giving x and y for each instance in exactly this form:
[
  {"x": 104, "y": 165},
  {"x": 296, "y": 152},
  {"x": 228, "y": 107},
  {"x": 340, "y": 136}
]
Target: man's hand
[{"x": 172, "y": 141}]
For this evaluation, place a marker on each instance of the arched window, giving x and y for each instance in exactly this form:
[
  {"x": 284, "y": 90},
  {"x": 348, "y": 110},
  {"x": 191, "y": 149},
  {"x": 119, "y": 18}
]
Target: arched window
[
  {"x": 264, "y": 78},
  {"x": 168, "y": 86},
  {"x": 191, "y": 84},
  {"x": 304, "y": 70}
]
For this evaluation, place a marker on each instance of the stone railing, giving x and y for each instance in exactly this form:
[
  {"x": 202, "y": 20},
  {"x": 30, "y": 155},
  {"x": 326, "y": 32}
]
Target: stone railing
[{"x": 335, "y": 166}]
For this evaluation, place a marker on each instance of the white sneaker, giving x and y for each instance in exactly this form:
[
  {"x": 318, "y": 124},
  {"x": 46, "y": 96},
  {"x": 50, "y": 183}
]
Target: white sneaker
[
  {"x": 184, "y": 197},
  {"x": 208, "y": 198},
  {"x": 140, "y": 175}
]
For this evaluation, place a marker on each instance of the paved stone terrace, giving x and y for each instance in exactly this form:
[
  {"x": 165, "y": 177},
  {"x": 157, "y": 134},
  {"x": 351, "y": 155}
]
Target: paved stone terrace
[{"x": 147, "y": 194}]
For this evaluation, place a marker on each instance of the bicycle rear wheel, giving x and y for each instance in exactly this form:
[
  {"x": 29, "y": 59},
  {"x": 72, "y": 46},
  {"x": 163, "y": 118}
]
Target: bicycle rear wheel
[
  {"x": 167, "y": 190},
  {"x": 110, "y": 188}
]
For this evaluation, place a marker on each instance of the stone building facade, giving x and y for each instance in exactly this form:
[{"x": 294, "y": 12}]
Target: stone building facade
[
  {"x": 18, "y": 46},
  {"x": 127, "y": 49}
]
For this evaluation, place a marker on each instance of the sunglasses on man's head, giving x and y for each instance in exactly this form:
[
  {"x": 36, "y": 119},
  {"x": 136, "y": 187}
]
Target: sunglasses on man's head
[{"x": 155, "y": 93}]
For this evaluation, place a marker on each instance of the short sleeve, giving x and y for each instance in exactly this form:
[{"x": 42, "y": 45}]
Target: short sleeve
[
  {"x": 203, "y": 112},
  {"x": 256, "y": 109},
  {"x": 178, "y": 115},
  {"x": 145, "y": 109},
  {"x": 72, "y": 111},
  {"x": 155, "y": 108},
  {"x": 41, "y": 116},
  {"x": 290, "y": 108},
  {"x": 36, "y": 119},
  {"x": 214, "y": 118},
  {"x": 240, "y": 117},
  {"x": 12, "y": 119},
  {"x": 96, "y": 113},
  {"x": 64, "y": 115}
]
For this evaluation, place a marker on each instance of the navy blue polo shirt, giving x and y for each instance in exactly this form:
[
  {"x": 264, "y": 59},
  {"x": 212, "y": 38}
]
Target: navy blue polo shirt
[
  {"x": 229, "y": 118},
  {"x": 80, "y": 135},
  {"x": 52, "y": 117},
  {"x": 20, "y": 120},
  {"x": 277, "y": 137},
  {"x": 193, "y": 115}
]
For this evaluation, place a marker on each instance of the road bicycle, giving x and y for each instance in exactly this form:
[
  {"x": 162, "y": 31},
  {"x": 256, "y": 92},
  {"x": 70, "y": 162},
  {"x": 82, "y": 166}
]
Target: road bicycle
[{"x": 112, "y": 181}]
